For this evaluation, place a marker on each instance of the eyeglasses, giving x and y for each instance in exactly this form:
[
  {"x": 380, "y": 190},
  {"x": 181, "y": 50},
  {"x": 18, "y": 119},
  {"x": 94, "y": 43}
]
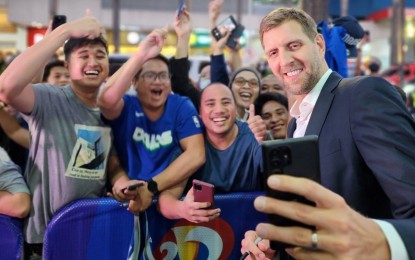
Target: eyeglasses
[
  {"x": 241, "y": 81},
  {"x": 151, "y": 76}
]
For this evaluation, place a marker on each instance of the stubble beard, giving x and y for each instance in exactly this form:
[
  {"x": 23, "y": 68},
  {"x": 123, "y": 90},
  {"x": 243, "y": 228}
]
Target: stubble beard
[{"x": 304, "y": 84}]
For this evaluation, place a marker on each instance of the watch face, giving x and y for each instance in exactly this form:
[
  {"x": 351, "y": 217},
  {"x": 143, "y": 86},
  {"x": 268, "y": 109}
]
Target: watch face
[{"x": 152, "y": 186}]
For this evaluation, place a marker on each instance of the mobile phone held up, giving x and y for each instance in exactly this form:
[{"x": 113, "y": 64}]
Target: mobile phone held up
[
  {"x": 180, "y": 9},
  {"x": 298, "y": 157},
  {"x": 204, "y": 192},
  {"x": 58, "y": 20},
  {"x": 231, "y": 25}
]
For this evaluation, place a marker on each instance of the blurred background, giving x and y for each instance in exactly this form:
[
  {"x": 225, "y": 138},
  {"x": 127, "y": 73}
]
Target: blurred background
[{"x": 389, "y": 25}]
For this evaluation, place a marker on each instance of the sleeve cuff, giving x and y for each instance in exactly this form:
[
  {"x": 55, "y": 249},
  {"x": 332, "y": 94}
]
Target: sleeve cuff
[{"x": 396, "y": 245}]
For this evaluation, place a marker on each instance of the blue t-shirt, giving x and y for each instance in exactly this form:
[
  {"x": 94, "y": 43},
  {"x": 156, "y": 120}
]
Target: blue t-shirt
[
  {"x": 145, "y": 147},
  {"x": 237, "y": 168}
]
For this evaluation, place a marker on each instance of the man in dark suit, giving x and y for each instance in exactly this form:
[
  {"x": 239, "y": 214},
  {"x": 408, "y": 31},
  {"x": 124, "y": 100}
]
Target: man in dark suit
[{"x": 365, "y": 204}]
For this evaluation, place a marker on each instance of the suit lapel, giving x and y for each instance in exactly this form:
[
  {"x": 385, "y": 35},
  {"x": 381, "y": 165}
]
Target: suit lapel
[
  {"x": 323, "y": 104},
  {"x": 292, "y": 125}
]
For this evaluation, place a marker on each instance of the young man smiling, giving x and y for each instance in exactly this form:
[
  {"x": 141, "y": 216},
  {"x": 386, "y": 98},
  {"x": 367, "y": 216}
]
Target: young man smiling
[
  {"x": 69, "y": 155},
  {"x": 233, "y": 157},
  {"x": 151, "y": 127}
]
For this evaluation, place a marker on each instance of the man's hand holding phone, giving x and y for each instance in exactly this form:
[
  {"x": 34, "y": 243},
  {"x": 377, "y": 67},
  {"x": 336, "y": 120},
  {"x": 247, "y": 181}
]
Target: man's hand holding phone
[
  {"x": 197, "y": 207},
  {"x": 231, "y": 25},
  {"x": 335, "y": 223},
  {"x": 297, "y": 157},
  {"x": 137, "y": 193},
  {"x": 218, "y": 46}
]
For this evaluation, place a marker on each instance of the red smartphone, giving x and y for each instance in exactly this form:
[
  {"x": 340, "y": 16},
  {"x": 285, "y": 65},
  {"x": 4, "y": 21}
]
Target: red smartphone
[{"x": 204, "y": 192}]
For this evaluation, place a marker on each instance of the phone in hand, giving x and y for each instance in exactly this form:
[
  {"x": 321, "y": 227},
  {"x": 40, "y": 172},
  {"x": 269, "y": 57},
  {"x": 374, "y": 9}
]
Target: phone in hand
[
  {"x": 58, "y": 20},
  {"x": 133, "y": 186},
  {"x": 180, "y": 9},
  {"x": 231, "y": 25},
  {"x": 204, "y": 192},
  {"x": 297, "y": 157}
]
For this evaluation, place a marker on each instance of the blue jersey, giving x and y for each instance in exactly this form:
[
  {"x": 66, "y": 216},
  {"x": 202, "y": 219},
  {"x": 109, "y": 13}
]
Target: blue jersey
[
  {"x": 147, "y": 147},
  {"x": 237, "y": 168}
]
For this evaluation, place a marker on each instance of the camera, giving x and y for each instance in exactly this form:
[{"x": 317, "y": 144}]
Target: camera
[
  {"x": 197, "y": 187},
  {"x": 280, "y": 157}
]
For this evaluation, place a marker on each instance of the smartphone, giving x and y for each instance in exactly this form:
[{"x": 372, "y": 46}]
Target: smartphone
[
  {"x": 58, "y": 20},
  {"x": 180, "y": 9},
  {"x": 297, "y": 157},
  {"x": 228, "y": 23},
  {"x": 133, "y": 186},
  {"x": 235, "y": 29},
  {"x": 204, "y": 192}
]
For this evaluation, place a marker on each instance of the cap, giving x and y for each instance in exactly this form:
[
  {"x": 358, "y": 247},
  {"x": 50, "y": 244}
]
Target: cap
[{"x": 354, "y": 33}]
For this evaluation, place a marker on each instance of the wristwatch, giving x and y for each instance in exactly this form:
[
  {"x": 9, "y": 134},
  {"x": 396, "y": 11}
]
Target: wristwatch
[{"x": 152, "y": 186}]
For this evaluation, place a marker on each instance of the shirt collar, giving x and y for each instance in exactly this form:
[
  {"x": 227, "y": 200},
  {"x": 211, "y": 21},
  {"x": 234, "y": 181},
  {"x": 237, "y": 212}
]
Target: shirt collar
[{"x": 311, "y": 97}]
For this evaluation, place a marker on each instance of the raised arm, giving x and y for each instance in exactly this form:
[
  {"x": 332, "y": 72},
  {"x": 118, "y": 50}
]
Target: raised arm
[
  {"x": 218, "y": 72},
  {"x": 183, "y": 28},
  {"x": 179, "y": 65},
  {"x": 15, "y": 81},
  {"x": 110, "y": 99},
  {"x": 39, "y": 77}
]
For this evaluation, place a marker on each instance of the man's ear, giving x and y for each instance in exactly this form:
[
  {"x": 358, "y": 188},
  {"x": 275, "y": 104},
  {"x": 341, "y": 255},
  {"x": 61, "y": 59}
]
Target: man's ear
[
  {"x": 321, "y": 43},
  {"x": 66, "y": 64},
  {"x": 133, "y": 82}
]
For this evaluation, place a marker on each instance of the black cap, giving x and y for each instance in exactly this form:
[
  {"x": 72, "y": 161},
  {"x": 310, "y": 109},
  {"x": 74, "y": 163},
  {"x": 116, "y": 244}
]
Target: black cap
[{"x": 354, "y": 33}]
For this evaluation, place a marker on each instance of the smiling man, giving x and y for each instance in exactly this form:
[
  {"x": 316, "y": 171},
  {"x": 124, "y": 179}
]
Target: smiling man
[
  {"x": 233, "y": 157},
  {"x": 365, "y": 203},
  {"x": 273, "y": 108},
  {"x": 70, "y": 151},
  {"x": 151, "y": 127}
]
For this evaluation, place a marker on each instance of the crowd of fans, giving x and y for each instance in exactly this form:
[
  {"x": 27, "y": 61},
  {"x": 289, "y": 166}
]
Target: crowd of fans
[{"x": 81, "y": 127}]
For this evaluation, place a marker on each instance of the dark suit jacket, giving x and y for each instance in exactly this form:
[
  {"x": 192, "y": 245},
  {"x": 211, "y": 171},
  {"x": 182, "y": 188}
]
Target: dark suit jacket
[{"x": 367, "y": 149}]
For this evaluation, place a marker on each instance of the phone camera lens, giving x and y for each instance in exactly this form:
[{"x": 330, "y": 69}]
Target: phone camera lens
[{"x": 198, "y": 187}]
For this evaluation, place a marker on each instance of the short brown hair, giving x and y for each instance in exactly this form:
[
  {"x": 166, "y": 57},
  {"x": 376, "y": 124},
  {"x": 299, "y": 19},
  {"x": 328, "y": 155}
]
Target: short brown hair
[{"x": 280, "y": 15}]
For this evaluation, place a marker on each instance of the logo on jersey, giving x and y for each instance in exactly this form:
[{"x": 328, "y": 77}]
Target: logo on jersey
[
  {"x": 196, "y": 121},
  {"x": 152, "y": 141},
  {"x": 137, "y": 114},
  {"x": 186, "y": 240}
]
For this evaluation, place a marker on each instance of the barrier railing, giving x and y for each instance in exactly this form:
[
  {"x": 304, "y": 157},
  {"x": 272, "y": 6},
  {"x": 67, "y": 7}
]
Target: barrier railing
[
  {"x": 11, "y": 238},
  {"x": 102, "y": 229}
]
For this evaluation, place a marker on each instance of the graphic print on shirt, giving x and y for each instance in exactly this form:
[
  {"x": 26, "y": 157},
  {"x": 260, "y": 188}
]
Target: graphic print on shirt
[
  {"x": 90, "y": 153},
  {"x": 153, "y": 141}
]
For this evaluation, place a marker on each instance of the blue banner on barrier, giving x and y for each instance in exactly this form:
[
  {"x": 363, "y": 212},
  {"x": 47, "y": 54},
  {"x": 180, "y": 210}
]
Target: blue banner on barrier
[
  {"x": 217, "y": 239},
  {"x": 101, "y": 229},
  {"x": 11, "y": 238}
]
